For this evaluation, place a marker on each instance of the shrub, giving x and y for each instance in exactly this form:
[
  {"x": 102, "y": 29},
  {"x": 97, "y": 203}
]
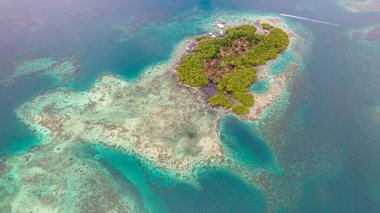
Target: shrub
[
  {"x": 220, "y": 100},
  {"x": 191, "y": 72},
  {"x": 240, "y": 110},
  {"x": 266, "y": 26},
  {"x": 237, "y": 81},
  {"x": 248, "y": 31},
  {"x": 244, "y": 98}
]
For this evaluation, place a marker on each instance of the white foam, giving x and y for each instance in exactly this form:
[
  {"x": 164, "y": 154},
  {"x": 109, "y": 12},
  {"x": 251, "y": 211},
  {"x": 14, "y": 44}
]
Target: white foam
[{"x": 312, "y": 20}]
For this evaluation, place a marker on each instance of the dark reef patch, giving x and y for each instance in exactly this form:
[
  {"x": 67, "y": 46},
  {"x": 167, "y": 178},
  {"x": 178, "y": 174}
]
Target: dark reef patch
[
  {"x": 3, "y": 168},
  {"x": 373, "y": 35}
]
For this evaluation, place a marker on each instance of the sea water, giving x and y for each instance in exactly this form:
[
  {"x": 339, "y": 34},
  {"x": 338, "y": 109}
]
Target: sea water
[{"x": 328, "y": 143}]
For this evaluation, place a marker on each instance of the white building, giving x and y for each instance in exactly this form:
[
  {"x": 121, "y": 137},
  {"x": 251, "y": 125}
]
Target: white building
[{"x": 220, "y": 25}]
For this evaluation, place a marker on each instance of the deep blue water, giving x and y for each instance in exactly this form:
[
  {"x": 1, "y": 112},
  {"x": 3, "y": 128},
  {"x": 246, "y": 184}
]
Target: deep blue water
[{"x": 329, "y": 135}]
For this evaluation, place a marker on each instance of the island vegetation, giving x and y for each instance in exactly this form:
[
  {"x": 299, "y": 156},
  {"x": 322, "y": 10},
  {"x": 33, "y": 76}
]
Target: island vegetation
[
  {"x": 266, "y": 26},
  {"x": 229, "y": 63},
  {"x": 220, "y": 100},
  {"x": 240, "y": 110}
]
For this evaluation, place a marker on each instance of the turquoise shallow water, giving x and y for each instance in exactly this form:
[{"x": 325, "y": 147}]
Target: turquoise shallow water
[
  {"x": 283, "y": 62},
  {"x": 158, "y": 192},
  {"x": 14, "y": 137},
  {"x": 260, "y": 87},
  {"x": 141, "y": 176},
  {"x": 326, "y": 143}
]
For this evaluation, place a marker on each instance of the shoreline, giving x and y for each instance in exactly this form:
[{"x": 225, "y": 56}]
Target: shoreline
[
  {"x": 277, "y": 87},
  {"x": 277, "y": 83}
]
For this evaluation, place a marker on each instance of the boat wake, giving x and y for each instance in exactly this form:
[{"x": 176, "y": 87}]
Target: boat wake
[{"x": 312, "y": 20}]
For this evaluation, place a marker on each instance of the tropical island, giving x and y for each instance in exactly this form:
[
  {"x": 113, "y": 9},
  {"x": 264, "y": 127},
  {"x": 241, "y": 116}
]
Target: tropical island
[
  {"x": 159, "y": 120},
  {"x": 228, "y": 63}
]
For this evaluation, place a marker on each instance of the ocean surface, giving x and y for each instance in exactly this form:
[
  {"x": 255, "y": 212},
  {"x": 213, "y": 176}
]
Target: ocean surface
[{"x": 322, "y": 154}]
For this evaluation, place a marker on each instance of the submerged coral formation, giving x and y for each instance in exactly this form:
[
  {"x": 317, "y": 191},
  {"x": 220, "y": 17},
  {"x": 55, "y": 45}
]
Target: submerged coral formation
[
  {"x": 59, "y": 181},
  {"x": 362, "y": 6},
  {"x": 370, "y": 33},
  {"x": 156, "y": 118},
  {"x": 63, "y": 70}
]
